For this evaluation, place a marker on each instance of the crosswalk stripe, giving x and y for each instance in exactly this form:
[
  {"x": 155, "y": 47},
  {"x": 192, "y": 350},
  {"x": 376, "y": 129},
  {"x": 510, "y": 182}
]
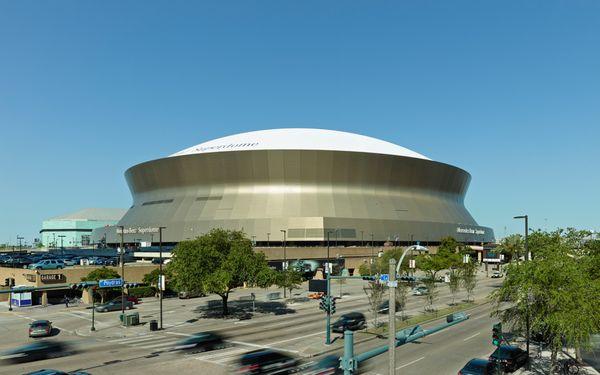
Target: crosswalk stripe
[
  {"x": 223, "y": 354},
  {"x": 127, "y": 340},
  {"x": 167, "y": 343}
]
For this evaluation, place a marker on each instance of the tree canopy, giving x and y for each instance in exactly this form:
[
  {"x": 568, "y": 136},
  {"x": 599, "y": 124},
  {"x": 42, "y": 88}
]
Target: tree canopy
[
  {"x": 558, "y": 289},
  {"x": 218, "y": 262},
  {"x": 101, "y": 274}
]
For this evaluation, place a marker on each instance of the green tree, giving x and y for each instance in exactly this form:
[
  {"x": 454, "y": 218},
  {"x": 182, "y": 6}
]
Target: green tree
[
  {"x": 374, "y": 291},
  {"x": 468, "y": 278},
  {"x": 555, "y": 290},
  {"x": 454, "y": 282},
  {"x": 513, "y": 246},
  {"x": 101, "y": 274},
  {"x": 151, "y": 278},
  {"x": 401, "y": 298},
  {"x": 289, "y": 279},
  {"x": 218, "y": 262}
]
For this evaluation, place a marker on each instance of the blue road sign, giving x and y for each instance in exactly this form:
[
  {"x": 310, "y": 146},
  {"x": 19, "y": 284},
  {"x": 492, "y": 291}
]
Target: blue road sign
[
  {"x": 384, "y": 278},
  {"x": 110, "y": 283}
]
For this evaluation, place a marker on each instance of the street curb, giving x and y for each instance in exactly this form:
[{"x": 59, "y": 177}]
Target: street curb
[{"x": 330, "y": 350}]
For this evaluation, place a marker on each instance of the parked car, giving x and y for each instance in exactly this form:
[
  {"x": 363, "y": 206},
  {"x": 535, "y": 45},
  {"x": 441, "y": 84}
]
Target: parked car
[
  {"x": 32, "y": 352},
  {"x": 47, "y": 264},
  {"x": 114, "y": 305},
  {"x": 496, "y": 275},
  {"x": 200, "y": 342},
  {"x": 70, "y": 262},
  {"x": 352, "y": 321},
  {"x": 132, "y": 299},
  {"x": 266, "y": 361},
  {"x": 478, "y": 366},
  {"x": 509, "y": 358},
  {"x": 420, "y": 291},
  {"x": 40, "y": 328},
  {"x": 184, "y": 294},
  {"x": 315, "y": 295}
]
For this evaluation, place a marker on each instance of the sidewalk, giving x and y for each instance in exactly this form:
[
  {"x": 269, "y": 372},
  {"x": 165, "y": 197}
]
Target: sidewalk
[{"x": 539, "y": 364}]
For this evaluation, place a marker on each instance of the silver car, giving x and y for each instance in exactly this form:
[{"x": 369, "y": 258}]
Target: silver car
[{"x": 40, "y": 328}]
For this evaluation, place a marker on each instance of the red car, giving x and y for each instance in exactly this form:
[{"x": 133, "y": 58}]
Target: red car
[{"x": 132, "y": 299}]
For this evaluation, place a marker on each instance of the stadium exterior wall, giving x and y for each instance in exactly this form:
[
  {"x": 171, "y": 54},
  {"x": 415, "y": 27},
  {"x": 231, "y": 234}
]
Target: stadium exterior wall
[{"x": 305, "y": 192}]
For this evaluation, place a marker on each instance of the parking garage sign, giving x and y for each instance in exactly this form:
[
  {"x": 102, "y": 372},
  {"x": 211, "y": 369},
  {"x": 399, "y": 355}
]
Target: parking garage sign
[{"x": 110, "y": 283}]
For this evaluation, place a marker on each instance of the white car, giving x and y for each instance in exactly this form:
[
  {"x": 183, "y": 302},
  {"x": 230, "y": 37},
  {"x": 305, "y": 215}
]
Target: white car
[
  {"x": 496, "y": 275},
  {"x": 419, "y": 291}
]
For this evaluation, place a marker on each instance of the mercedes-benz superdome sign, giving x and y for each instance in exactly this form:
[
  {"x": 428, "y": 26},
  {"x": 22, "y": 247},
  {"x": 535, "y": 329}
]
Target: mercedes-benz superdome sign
[{"x": 138, "y": 230}]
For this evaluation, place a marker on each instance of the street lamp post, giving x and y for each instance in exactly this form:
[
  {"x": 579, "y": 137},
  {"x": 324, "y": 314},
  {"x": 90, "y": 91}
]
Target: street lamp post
[
  {"x": 122, "y": 273},
  {"x": 526, "y": 217},
  {"x": 93, "y": 309},
  {"x": 268, "y": 239},
  {"x": 62, "y": 248},
  {"x": 362, "y": 243},
  {"x": 528, "y": 255},
  {"x": 20, "y": 243},
  {"x": 161, "y": 277},
  {"x": 372, "y": 249},
  {"x": 327, "y": 270},
  {"x": 284, "y": 256}
]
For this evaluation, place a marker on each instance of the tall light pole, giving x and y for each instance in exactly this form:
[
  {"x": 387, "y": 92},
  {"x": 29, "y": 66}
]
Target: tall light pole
[
  {"x": 526, "y": 217},
  {"x": 62, "y": 248},
  {"x": 122, "y": 273},
  {"x": 362, "y": 243},
  {"x": 528, "y": 255},
  {"x": 20, "y": 242},
  {"x": 161, "y": 277},
  {"x": 327, "y": 270},
  {"x": 268, "y": 235},
  {"x": 284, "y": 256},
  {"x": 372, "y": 249}
]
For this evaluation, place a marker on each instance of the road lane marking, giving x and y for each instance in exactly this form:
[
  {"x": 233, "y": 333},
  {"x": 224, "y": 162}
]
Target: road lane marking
[
  {"x": 470, "y": 337},
  {"x": 128, "y": 340},
  {"x": 409, "y": 363},
  {"x": 180, "y": 334}
]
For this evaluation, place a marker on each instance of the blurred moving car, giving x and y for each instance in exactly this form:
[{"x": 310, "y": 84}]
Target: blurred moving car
[
  {"x": 384, "y": 307},
  {"x": 47, "y": 264},
  {"x": 420, "y": 291},
  {"x": 35, "y": 351},
  {"x": 200, "y": 342},
  {"x": 509, "y": 358},
  {"x": 330, "y": 364},
  {"x": 315, "y": 295},
  {"x": 114, "y": 305},
  {"x": 40, "y": 328},
  {"x": 496, "y": 275},
  {"x": 478, "y": 366},
  {"x": 352, "y": 321},
  {"x": 56, "y": 372},
  {"x": 266, "y": 361}
]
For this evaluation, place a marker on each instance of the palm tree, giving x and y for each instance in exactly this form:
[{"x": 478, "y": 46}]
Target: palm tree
[{"x": 512, "y": 245}]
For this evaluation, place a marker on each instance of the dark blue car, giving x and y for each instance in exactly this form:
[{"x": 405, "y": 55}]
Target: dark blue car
[{"x": 478, "y": 366}]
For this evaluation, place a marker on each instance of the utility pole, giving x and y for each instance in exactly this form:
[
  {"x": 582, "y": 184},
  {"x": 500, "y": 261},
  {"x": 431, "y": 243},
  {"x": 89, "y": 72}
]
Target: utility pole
[
  {"x": 93, "y": 309},
  {"x": 20, "y": 243},
  {"x": 62, "y": 248},
  {"x": 284, "y": 256},
  {"x": 392, "y": 311},
  {"x": 122, "y": 274},
  {"x": 161, "y": 277}
]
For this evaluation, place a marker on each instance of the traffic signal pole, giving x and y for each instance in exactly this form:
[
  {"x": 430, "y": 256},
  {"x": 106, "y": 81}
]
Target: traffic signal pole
[
  {"x": 328, "y": 328},
  {"x": 93, "y": 309}
]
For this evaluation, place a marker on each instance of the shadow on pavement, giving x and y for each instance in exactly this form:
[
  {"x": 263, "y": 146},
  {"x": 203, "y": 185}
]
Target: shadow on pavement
[{"x": 243, "y": 310}]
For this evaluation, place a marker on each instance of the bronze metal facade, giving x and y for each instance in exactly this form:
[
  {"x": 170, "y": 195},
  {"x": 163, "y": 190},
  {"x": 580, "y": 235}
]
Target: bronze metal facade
[{"x": 305, "y": 192}]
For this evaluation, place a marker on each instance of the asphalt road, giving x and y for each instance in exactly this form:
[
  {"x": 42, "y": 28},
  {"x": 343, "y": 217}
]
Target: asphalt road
[{"x": 297, "y": 329}]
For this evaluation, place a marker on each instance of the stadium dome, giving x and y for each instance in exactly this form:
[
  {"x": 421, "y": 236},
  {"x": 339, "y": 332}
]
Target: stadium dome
[
  {"x": 309, "y": 183},
  {"x": 300, "y": 139}
]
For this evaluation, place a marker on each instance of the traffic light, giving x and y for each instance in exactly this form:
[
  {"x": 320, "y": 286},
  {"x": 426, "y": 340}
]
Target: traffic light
[
  {"x": 324, "y": 303},
  {"x": 131, "y": 285},
  {"x": 82, "y": 285},
  {"x": 332, "y": 306},
  {"x": 497, "y": 334},
  {"x": 369, "y": 278}
]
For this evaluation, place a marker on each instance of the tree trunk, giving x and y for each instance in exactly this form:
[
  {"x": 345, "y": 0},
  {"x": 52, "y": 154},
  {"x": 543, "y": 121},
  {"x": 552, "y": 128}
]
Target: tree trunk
[
  {"x": 224, "y": 298},
  {"x": 578, "y": 354},
  {"x": 552, "y": 361}
]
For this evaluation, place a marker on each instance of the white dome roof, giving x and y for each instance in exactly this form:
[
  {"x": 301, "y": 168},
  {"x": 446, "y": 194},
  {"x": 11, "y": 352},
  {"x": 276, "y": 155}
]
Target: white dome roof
[{"x": 300, "y": 139}]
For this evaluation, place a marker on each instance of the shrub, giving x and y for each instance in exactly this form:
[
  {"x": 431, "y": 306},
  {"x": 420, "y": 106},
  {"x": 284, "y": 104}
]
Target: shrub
[{"x": 142, "y": 291}]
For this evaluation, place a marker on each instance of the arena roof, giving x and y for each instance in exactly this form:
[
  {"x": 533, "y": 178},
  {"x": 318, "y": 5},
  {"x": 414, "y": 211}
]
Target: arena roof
[
  {"x": 93, "y": 214},
  {"x": 300, "y": 139}
]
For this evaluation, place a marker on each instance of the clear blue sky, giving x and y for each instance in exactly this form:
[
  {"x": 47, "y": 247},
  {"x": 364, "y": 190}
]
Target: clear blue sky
[{"x": 509, "y": 91}]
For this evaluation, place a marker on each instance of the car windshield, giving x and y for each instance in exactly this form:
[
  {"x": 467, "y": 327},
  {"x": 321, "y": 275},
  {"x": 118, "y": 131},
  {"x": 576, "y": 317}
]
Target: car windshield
[{"x": 39, "y": 324}]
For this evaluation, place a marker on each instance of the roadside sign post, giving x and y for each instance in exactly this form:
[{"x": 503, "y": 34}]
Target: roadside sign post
[
  {"x": 162, "y": 282},
  {"x": 93, "y": 309}
]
